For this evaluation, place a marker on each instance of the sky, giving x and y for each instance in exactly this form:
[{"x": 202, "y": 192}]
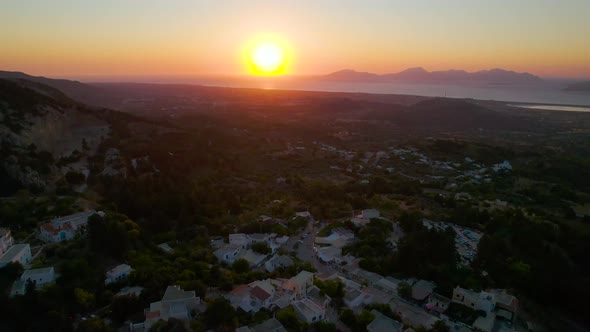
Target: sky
[{"x": 78, "y": 38}]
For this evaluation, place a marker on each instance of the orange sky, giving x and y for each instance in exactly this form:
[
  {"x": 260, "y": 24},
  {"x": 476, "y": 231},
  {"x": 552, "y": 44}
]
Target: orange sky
[{"x": 133, "y": 37}]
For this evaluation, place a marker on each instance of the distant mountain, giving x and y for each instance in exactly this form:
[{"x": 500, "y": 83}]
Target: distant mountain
[
  {"x": 351, "y": 75},
  {"x": 421, "y": 75},
  {"x": 579, "y": 87}
]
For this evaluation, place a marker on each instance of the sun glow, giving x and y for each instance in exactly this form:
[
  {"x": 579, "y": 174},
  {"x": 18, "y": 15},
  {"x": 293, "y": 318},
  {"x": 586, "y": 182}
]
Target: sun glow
[{"x": 267, "y": 58}]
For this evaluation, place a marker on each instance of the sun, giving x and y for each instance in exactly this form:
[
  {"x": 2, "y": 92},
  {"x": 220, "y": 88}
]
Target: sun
[{"x": 267, "y": 59}]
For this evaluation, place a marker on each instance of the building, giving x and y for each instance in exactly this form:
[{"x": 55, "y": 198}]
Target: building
[
  {"x": 365, "y": 217},
  {"x": 330, "y": 254},
  {"x": 388, "y": 284},
  {"x": 496, "y": 301},
  {"x": 271, "y": 325},
  {"x": 506, "y": 304},
  {"x": 300, "y": 284},
  {"x": 303, "y": 214},
  {"x": 309, "y": 311},
  {"x": 259, "y": 237},
  {"x": 382, "y": 323},
  {"x": 176, "y": 303},
  {"x": 18, "y": 253},
  {"x": 40, "y": 277},
  {"x": 252, "y": 297},
  {"x": 165, "y": 247},
  {"x": 65, "y": 228},
  {"x": 438, "y": 303},
  {"x": 118, "y": 273},
  {"x": 228, "y": 253},
  {"x": 422, "y": 289},
  {"x": 6, "y": 240},
  {"x": 338, "y": 238},
  {"x": 253, "y": 258},
  {"x": 370, "y": 214},
  {"x": 278, "y": 262},
  {"x": 240, "y": 240},
  {"x": 356, "y": 297}
]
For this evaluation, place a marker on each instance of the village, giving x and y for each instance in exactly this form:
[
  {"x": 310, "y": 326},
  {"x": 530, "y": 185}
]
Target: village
[{"x": 415, "y": 304}]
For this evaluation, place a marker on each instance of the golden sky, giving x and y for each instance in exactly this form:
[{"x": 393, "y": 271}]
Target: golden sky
[{"x": 157, "y": 37}]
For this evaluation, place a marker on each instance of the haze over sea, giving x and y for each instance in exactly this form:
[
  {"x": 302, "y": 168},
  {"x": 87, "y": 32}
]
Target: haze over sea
[{"x": 549, "y": 92}]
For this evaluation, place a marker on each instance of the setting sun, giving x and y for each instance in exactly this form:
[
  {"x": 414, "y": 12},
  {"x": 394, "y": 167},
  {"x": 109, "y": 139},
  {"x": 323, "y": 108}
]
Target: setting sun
[{"x": 267, "y": 59}]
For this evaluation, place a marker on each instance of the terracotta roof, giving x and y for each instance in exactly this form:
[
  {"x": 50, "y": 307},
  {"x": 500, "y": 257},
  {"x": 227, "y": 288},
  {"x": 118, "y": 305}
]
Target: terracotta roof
[
  {"x": 50, "y": 228},
  {"x": 259, "y": 293},
  {"x": 152, "y": 314},
  {"x": 238, "y": 289}
]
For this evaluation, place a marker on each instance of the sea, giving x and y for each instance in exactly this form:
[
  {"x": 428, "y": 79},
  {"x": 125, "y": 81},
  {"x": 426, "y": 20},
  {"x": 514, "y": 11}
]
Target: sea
[{"x": 549, "y": 95}]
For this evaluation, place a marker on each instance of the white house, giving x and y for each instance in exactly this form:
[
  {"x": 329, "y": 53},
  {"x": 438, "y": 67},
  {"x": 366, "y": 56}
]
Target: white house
[
  {"x": 278, "y": 261},
  {"x": 40, "y": 277},
  {"x": 309, "y": 311},
  {"x": 356, "y": 297},
  {"x": 370, "y": 214},
  {"x": 6, "y": 240},
  {"x": 338, "y": 238},
  {"x": 465, "y": 297},
  {"x": 438, "y": 303},
  {"x": 20, "y": 253},
  {"x": 65, "y": 228},
  {"x": 118, "y": 273},
  {"x": 382, "y": 323},
  {"x": 176, "y": 303},
  {"x": 240, "y": 240},
  {"x": 300, "y": 283},
  {"x": 330, "y": 254},
  {"x": 228, "y": 253},
  {"x": 259, "y": 237},
  {"x": 365, "y": 217},
  {"x": 253, "y": 258},
  {"x": 422, "y": 289},
  {"x": 252, "y": 297},
  {"x": 165, "y": 247}
]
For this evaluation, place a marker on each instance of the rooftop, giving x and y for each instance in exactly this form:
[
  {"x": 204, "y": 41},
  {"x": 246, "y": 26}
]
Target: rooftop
[
  {"x": 122, "y": 268},
  {"x": 271, "y": 325},
  {"x": 302, "y": 277},
  {"x": 176, "y": 293},
  {"x": 382, "y": 323},
  {"x": 307, "y": 307},
  {"x": 422, "y": 289},
  {"x": 35, "y": 272},
  {"x": 75, "y": 217},
  {"x": 13, "y": 251},
  {"x": 259, "y": 293}
]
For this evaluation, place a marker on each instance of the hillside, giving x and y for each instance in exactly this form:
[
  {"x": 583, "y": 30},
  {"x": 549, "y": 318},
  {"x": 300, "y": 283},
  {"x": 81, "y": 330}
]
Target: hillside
[
  {"x": 44, "y": 135},
  {"x": 84, "y": 93},
  {"x": 458, "y": 115}
]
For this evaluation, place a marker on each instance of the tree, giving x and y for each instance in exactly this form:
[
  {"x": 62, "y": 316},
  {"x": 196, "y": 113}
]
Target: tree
[
  {"x": 348, "y": 318},
  {"x": 93, "y": 325},
  {"x": 439, "y": 326},
  {"x": 219, "y": 313},
  {"x": 404, "y": 290},
  {"x": 365, "y": 318},
  {"x": 324, "y": 326},
  {"x": 289, "y": 319},
  {"x": 241, "y": 266},
  {"x": 261, "y": 248},
  {"x": 84, "y": 298}
]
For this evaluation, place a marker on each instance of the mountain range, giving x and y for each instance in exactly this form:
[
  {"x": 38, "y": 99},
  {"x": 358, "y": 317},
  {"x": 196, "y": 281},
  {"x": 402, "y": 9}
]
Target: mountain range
[{"x": 421, "y": 75}]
